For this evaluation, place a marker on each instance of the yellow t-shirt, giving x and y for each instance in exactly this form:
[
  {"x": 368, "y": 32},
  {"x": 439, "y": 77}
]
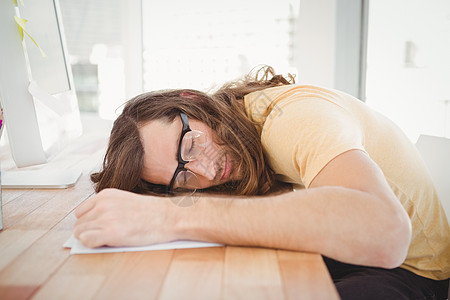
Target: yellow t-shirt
[{"x": 304, "y": 127}]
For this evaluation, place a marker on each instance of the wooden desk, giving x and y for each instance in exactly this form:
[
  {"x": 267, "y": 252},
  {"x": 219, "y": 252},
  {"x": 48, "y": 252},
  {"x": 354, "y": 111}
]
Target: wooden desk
[{"x": 33, "y": 263}]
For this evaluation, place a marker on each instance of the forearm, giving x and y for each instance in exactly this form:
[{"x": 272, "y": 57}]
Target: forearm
[{"x": 345, "y": 224}]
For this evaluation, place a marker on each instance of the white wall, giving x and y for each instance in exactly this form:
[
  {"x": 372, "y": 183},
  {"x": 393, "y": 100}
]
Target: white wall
[
  {"x": 315, "y": 42},
  {"x": 408, "y": 66}
]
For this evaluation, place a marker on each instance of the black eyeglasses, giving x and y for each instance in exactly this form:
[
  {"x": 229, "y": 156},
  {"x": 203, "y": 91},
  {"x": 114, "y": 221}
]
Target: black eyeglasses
[{"x": 192, "y": 144}]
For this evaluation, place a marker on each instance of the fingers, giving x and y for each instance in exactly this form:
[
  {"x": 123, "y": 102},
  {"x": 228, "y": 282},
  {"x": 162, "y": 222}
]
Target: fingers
[
  {"x": 86, "y": 206},
  {"x": 97, "y": 219},
  {"x": 86, "y": 228},
  {"x": 89, "y": 204},
  {"x": 115, "y": 218},
  {"x": 91, "y": 233},
  {"x": 92, "y": 238},
  {"x": 83, "y": 226}
]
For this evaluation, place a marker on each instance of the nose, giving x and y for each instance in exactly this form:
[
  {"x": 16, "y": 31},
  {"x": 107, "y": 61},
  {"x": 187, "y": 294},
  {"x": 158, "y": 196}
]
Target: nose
[{"x": 203, "y": 166}]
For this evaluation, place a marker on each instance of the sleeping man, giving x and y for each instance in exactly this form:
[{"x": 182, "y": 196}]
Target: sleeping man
[{"x": 362, "y": 196}]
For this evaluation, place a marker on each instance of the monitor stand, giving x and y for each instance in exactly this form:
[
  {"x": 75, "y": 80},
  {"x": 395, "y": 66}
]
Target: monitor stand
[{"x": 40, "y": 179}]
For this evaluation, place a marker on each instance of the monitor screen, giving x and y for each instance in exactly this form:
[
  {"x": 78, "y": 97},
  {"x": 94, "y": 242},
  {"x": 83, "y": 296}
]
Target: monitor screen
[{"x": 36, "y": 91}]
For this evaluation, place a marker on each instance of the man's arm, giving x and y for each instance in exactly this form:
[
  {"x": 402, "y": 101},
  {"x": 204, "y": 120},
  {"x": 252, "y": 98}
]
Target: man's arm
[{"x": 349, "y": 213}]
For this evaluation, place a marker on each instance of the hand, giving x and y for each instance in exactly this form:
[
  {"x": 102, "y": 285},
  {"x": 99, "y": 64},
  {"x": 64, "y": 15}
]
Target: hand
[{"x": 119, "y": 218}]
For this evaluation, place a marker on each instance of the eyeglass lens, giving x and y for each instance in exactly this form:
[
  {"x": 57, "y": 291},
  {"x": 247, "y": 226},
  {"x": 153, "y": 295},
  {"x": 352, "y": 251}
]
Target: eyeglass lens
[
  {"x": 186, "y": 180},
  {"x": 192, "y": 146}
]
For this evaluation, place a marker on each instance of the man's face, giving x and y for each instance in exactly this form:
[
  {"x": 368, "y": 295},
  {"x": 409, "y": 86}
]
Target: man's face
[{"x": 213, "y": 166}]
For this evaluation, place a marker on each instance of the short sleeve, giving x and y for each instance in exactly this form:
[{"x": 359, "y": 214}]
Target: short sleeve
[{"x": 301, "y": 137}]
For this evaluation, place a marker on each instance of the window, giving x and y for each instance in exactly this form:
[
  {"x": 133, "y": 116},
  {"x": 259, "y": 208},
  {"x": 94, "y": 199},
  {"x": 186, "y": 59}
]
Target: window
[
  {"x": 103, "y": 39},
  {"x": 201, "y": 43}
]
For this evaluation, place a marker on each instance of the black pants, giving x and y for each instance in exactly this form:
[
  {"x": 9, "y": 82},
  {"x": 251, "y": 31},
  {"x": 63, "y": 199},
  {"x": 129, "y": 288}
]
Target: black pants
[{"x": 366, "y": 283}]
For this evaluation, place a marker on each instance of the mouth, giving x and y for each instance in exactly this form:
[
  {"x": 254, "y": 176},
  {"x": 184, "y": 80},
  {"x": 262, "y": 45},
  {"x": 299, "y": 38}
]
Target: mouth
[{"x": 226, "y": 168}]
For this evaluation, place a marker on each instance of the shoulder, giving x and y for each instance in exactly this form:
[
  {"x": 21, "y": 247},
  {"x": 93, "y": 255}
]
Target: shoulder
[{"x": 260, "y": 104}]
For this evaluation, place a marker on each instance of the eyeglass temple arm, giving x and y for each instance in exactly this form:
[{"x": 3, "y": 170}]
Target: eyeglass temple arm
[{"x": 184, "y": 120}]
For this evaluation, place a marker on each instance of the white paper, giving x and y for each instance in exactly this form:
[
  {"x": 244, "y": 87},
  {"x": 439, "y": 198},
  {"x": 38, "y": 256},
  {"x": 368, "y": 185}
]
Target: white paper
[{"x": 78, "y": 248}]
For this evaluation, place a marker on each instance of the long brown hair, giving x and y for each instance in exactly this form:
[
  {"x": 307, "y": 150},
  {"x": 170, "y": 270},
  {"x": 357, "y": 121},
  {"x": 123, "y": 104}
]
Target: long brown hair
[{"x": 221, "y": 111}]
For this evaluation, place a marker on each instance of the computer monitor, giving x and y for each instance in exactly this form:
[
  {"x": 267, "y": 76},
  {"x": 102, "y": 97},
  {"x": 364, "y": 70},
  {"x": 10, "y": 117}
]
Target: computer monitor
[{"x": 36, "y": 92}]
